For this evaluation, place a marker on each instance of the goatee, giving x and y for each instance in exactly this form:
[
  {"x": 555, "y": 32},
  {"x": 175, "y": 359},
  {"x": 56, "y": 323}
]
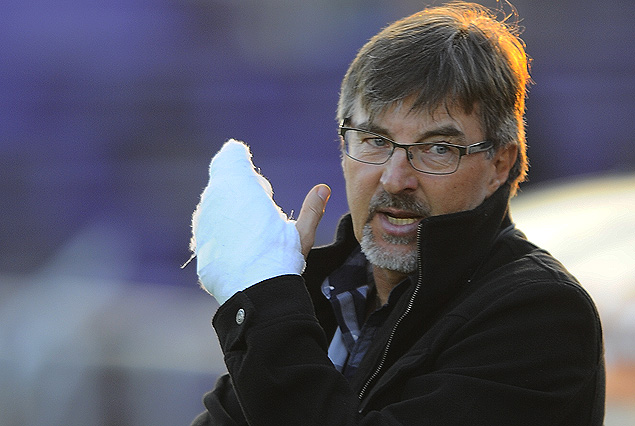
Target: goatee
[{"x": 384, "y": 257}]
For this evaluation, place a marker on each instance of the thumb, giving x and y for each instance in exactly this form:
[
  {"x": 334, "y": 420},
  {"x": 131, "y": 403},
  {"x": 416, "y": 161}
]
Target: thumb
[{"x": 311, "y": 214}]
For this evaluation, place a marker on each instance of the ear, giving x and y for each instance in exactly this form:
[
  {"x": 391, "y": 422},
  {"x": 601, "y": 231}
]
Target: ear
[{"x": 503, "y": 161}]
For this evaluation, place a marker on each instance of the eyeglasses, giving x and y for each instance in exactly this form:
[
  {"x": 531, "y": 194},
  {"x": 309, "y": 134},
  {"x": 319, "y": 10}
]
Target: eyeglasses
[{"x": 435, "y": 158}]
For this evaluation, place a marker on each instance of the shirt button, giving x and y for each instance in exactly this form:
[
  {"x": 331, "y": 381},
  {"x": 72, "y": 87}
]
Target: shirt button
[{"x": 240, "y": 316}]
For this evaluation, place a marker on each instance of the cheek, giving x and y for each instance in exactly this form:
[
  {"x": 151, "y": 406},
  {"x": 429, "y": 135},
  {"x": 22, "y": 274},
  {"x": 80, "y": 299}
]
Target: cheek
[
  {"x": 361, "y": 184},
  {"x": 472, "y": 192},
  {"x": 454, "y": 193}
]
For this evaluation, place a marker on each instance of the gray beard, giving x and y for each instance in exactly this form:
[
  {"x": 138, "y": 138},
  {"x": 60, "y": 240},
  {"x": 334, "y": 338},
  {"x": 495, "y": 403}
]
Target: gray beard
[{"x": 382, "y": 258}]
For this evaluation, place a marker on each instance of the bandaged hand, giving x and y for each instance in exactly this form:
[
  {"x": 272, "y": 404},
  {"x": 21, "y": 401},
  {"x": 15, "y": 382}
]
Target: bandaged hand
[{"x": 239, "y": 235}]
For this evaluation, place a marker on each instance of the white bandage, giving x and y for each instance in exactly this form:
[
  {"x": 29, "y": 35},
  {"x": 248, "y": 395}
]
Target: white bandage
[{"x": 239, "y": 235}]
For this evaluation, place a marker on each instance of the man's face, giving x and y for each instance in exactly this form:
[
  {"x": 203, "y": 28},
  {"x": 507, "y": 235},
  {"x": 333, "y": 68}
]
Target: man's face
[{"x": 388, "y": 201}]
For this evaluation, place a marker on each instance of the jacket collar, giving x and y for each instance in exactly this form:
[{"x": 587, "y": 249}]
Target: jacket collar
[{"x": 453, "y": 249}]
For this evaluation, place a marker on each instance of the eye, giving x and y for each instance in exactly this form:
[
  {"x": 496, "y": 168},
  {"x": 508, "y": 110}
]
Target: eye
[
  {"x": 439, "y": 149},
  {"x": 376, "y": 142}
]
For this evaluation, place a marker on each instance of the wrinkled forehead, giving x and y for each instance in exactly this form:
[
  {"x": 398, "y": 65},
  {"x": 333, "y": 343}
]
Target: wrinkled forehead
[
  {"x": 365, "y": 112},
  {"x": 409, "y": 107}
]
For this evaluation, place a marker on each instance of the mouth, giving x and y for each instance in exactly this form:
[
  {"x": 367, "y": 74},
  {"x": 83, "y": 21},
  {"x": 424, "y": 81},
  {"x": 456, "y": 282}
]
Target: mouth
[
  {"x": 401, "y": 221},
  {"x": 398, "y": 221},
  {"x": 396, "y": 215}
]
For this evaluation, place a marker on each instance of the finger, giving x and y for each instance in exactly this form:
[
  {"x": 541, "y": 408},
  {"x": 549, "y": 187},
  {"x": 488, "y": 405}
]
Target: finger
[{"x": 311, "y": 214}]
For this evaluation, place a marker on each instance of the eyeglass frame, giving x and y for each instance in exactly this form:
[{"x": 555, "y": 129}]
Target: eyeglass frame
[{"x": 475, "y": 148}]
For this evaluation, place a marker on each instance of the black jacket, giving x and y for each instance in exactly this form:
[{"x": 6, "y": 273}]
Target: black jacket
[{"x": 495, "y": 332}]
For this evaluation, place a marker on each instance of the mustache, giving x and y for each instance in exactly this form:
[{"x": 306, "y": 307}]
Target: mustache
[{"x": 406, "y": 202}]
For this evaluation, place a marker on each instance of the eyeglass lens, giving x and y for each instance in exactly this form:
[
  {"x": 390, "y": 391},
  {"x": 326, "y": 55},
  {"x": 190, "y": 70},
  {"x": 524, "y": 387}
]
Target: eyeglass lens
[{"x": 425, "y": 157}]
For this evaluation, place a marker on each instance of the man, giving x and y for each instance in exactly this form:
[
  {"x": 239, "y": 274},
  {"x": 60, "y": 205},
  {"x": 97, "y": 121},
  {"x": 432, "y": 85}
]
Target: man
[{"x": 429, "y": 307}]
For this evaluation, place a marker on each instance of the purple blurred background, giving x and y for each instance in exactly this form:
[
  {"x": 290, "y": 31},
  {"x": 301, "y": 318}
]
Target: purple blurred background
[{"x": 112, "y": 110}]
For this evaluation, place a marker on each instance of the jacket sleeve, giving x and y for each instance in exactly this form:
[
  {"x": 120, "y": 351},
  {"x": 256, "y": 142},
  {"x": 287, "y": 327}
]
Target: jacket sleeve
[
  {"x": 222, "y": 407},
  {"x": 276, "y": 355}
]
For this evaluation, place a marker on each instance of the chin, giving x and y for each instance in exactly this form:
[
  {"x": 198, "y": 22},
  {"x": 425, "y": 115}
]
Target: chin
[{"x": 396, "y": 253}]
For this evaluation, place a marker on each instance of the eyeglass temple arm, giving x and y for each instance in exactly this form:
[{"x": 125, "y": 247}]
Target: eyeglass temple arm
[{"x": 478, "y": 147}]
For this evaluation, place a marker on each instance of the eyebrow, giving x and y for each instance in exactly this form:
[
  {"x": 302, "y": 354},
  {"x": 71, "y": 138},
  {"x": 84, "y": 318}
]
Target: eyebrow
[{"x": 447, "y": 130}]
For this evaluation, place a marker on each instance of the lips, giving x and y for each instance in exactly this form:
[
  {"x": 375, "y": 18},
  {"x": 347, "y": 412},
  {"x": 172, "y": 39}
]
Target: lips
[
  {"x": 400, "y": 217},
  {"x": 396, "y": 215},
  {"x": 399, "y": 221}
]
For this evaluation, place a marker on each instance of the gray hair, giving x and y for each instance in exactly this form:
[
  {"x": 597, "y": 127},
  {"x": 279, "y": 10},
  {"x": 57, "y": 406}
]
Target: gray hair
[{"x": 459, "y": 55}]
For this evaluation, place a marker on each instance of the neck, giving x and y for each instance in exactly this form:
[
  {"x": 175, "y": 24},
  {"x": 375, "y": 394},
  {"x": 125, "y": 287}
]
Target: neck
[{"x": 385, "y": 281}]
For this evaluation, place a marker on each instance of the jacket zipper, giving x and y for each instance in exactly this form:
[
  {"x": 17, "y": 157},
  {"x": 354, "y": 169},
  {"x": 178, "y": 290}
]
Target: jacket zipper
[{"x": 382, "y": 361}]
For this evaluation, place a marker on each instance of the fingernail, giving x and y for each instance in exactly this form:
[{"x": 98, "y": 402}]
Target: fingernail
[{"x": 324, "y": 192}]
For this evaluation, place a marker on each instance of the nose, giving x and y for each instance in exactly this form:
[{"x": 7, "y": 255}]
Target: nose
[{"x": 398, "y": 175}]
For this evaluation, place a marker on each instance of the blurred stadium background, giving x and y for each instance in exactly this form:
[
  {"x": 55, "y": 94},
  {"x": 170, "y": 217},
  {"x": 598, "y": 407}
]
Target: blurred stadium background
[{"x": 111, "y": 111}]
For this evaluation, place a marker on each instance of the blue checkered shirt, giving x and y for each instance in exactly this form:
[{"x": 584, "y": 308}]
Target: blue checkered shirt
[{"x": 350, "y": 289}]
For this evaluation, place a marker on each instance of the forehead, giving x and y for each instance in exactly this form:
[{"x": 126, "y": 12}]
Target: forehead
[{"x": 400, "y": 117}]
